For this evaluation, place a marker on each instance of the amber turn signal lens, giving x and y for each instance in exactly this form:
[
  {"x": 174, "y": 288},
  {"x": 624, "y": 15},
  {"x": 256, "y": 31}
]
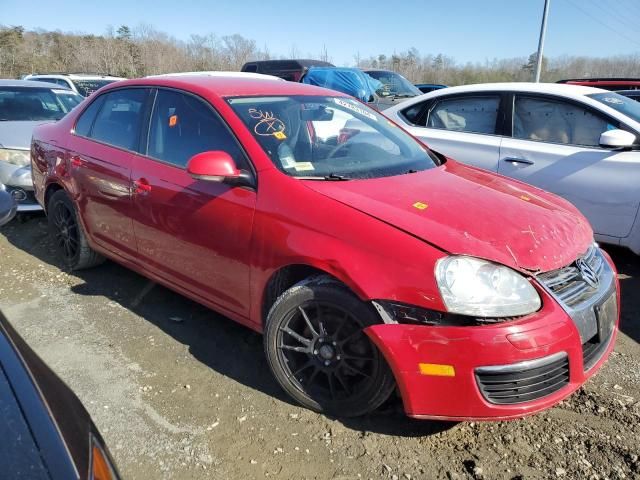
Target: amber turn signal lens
[{"x": 100, "y": 467}]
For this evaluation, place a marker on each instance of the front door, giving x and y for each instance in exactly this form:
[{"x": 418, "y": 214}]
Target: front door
[
  {"x": 555, "y": 146},
  {"x": 194, "y": 233}
]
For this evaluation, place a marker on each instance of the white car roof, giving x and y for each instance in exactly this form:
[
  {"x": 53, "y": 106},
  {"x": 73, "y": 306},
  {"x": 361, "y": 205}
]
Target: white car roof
[
  {"x": 74, "y": 76},
  {"x": 557, "y": 88},
  {"x": 212, "y": 73}
]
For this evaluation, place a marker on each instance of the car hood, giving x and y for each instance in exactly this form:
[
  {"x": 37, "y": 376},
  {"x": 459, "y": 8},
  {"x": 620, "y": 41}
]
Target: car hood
[
  {"x": 465, "y": 210},
  {"x": 18, "y": 134}
]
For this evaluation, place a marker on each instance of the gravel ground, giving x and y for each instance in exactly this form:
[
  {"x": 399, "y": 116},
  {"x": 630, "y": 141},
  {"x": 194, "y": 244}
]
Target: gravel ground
[{"x": 181, "y": 392}]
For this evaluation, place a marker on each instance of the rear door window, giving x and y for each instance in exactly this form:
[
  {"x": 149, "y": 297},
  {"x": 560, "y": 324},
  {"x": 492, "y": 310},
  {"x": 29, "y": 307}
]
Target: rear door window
[
  {"x": 473, "y": 114},
  {"x": 182, "y": 126},
  {"x": 120, "y": 118},
  {"x": 550, "y": 120}
]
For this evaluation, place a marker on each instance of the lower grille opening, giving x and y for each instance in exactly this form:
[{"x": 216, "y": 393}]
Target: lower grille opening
[
  {"x": 523, "y": 382},
  {"x": 592, "y": 351}
]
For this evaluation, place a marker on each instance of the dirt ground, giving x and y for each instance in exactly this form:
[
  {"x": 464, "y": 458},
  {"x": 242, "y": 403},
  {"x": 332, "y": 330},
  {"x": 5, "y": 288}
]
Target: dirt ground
[{"x": 181, "y": 392}]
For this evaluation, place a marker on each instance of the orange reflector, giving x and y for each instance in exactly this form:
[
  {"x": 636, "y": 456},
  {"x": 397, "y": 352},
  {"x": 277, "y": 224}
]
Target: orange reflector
[
  {"x": 101, "y": 469},
  {"x": 437, "y": 370}
]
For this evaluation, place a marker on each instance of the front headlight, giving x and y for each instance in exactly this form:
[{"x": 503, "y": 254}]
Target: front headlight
[
  {"x": 15, "y": 157},
  {"x": 471, "y": 286}
]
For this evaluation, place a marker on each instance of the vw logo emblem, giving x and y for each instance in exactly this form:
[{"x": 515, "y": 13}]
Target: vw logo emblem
[{"x": 587, "y": 273}]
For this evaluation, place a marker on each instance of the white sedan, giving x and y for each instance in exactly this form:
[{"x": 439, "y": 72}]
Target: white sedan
[{"x": 581, "y": 143}]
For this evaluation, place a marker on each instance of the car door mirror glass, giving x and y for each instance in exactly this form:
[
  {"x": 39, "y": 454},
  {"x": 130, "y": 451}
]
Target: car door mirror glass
[
  {"x": 617, "y": 139},
  {"x": 8, "y": 206},
  {"x": 213, "y": 166}
]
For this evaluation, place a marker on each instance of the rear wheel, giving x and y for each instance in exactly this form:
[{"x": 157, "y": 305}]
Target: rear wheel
[
  {"x": 319, "y": 353},
  {"x": 70, "y": 239}
]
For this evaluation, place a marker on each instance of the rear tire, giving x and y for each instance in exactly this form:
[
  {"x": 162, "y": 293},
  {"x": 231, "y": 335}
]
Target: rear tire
[
  {"x": 319, "y": 353},
  {"x": 70, "y": 239}
]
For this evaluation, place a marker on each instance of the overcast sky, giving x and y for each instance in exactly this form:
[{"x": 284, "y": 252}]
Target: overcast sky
[{"x": 467, "y": 30}]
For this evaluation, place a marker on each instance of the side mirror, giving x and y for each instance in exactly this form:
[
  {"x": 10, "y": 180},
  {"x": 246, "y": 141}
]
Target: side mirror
[
  {"x": 8, "y": 206},
  {"x": 617, "y": 139},
  {"x": 217, "y": 166}
]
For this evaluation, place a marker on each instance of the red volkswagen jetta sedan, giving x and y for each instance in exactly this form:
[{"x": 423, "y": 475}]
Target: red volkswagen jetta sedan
[{"x": 369, "y": 262}]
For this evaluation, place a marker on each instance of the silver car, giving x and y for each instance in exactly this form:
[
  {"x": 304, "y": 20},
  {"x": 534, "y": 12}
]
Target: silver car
[
  {"x": 581, "y": 143},
  {"x": 23, "y": 105}
]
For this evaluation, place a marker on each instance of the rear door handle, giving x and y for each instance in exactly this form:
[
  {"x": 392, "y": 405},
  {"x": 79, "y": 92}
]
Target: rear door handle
[
  {"x": 141, "y": 186},
  {"x": 523, "y": 161}
]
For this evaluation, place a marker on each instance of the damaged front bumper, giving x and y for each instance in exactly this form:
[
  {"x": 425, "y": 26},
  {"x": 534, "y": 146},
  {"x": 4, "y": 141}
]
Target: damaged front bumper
[{"x": 498, "y": 371}]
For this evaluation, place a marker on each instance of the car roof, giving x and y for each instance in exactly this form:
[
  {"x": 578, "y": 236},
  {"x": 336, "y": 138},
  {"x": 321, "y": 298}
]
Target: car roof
[
  {"x": 557, "y": 88},
  {"x": 76, "y": 76},
  {"x": 229, "y": 86},
  {"x": 216, "y": 73},
  {"x": 31, "y": 84}
]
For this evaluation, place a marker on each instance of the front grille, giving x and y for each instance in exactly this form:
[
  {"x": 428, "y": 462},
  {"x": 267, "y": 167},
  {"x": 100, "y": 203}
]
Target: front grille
[
  {"x": 523, "y": 382},
  {"x": 567, "y": 283},
  {"x": 592, "y": 351}
]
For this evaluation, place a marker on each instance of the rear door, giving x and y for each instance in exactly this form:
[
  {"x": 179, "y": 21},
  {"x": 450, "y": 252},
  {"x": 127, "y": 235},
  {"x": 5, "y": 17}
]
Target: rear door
[
  {"x": 105, "y": 141},
  {"x": 465, "y": 127},
  {"x": 194, "y": 233},
  {"x": 555, "y": 146}
]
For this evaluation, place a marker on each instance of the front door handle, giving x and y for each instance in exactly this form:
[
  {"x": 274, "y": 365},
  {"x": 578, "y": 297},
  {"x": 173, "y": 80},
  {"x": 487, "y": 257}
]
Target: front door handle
[
  {"x": 523, "y": 161},
  {"x": 141, "y": 186}
]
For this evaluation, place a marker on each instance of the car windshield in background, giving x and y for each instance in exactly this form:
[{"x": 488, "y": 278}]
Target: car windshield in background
[
  {"x": 394, "y": 84},
  {"x": 330, "y": 138},
  {"x": 87, "y": 87},
  {"x": 27, "y": 104},
  {"x": 625, "y": 105}
]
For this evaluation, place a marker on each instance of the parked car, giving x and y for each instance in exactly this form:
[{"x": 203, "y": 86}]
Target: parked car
[
  {"x": 578, "y": 142},
  {"x": 46, "y": 432},
  {"x": 429, "y": 87},
  {"x": 368, "y": 264},
  {"x": 82, "y": 83},
  {"x": 632, "y": 94},
  {"x": 395, "y": 86},
  {"x": 356, "y": 83},
  {"x": 292, "y": 70},
  {"x": 23, "y": 105},
  {"x": 605, "y": 83}
]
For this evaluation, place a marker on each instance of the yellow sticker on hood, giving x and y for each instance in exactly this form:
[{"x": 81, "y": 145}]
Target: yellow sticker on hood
[{"x": 420, "y": 205}]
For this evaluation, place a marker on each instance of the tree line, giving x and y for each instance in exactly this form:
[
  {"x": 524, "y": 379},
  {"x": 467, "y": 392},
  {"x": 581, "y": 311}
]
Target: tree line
[{"x": 144, "y": 50}]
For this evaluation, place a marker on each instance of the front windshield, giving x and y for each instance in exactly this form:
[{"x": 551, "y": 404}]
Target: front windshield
[
  {"x": 87, "y": 87},
  {"x": 330, "y": 138},
  {"x": 28, "y": 104},
  {"x": 625, "y": 105},
  {"x": 394, "y": 84}
]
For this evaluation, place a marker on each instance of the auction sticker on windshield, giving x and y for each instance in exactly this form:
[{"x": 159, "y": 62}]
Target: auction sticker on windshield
[{"x": 348, "y": 104}]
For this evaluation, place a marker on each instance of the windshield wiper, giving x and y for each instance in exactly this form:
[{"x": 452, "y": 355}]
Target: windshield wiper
[{"x": 335, "y": 177}]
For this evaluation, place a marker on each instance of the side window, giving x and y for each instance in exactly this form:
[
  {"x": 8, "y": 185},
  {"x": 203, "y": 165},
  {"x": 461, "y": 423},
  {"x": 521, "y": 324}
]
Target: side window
[
  {"x": 85, "y": 121},
  {"x": 466, "y": 114},
  {"x": 412, "y": 114},
  {"x": 549, "y": 120},
  {"x": 182, "y": 126},
  {"x": 250, "y": 67},
  {"x": 119, "y": 120}
]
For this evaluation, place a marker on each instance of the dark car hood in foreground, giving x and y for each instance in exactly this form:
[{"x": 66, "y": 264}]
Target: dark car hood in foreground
[
  {"x": 18, "y": 134},
  {"x": 473, "y": 212}
]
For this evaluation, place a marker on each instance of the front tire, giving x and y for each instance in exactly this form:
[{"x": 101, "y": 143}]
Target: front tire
[
  {"x": 318, "y": 351},
  {"x": 70, "y": 239}
]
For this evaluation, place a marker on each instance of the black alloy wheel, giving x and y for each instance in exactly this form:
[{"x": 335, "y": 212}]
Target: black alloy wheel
[{"x": 320, "y": 353}]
